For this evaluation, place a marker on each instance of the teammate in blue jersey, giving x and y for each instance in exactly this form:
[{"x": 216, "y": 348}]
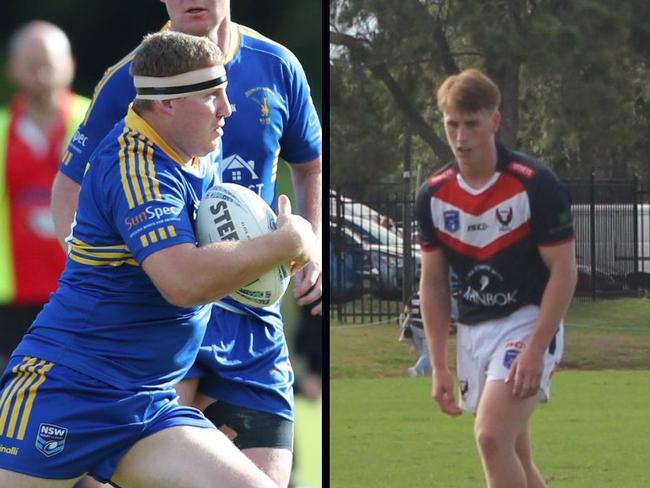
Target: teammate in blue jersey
[
  {"x": 90, "y": 387},
  {"x": 502, "y": 221},
  {"x": 244, "y": 360}
]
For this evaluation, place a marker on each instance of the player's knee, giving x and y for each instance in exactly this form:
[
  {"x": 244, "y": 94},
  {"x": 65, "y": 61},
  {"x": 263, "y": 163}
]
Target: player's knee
[{"x": 489, "y": 443}]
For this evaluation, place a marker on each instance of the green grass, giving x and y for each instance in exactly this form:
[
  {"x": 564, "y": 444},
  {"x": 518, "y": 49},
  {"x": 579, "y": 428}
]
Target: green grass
[
  {"x": 613, "y": 334},
  {"x": 386, "y": 431},
  {"x": 308, "y": 440},
  {"x": 389, "y": 433}
]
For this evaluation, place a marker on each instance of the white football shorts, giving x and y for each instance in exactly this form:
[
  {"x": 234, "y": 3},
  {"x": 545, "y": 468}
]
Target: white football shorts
[{"x": 485, "y": 352}]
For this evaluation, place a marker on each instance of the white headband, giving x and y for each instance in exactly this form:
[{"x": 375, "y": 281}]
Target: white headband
[{"x": 168, "y": 87}]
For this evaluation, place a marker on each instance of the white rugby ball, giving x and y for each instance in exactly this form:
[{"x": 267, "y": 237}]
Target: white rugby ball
[{"x": 231, "y": 212}]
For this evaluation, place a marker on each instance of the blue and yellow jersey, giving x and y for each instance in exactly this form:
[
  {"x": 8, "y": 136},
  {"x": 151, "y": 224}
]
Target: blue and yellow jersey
[
  {"x": 273, "y": 114},
  {"x": 107, "y": 318},
  {"x": 273, "y": 117}
]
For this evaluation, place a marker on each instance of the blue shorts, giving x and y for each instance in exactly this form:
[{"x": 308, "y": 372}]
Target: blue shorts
[
  {"x": 245, "y": 361},
  {"x": 58, "y": 423}
]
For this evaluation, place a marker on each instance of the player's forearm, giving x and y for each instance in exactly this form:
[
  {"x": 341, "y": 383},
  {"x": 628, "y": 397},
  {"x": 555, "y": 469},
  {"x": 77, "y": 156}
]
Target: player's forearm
[
  {"x": 199, "y": 275},
  {"x": 434, "y": 302},
  {"x": 307, "y": 183},
  {"x": 65, "y": 197},
  {"x": 555, "y": 302}
]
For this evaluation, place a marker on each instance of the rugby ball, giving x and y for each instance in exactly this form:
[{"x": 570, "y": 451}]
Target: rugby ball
[{"x": 231, "y": 212}]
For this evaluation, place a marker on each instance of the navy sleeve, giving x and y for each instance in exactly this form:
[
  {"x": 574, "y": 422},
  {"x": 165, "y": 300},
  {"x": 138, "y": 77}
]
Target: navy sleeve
[
  {"x": 428, "y": 239},
  {"x": 550, "y": 210}
]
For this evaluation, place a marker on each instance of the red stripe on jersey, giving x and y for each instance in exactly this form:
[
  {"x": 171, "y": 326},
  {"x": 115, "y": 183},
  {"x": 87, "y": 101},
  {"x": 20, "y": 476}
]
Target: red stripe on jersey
[
  {"x": 435, "y": 179},
  {"x": 525, "y": 171},
  {"x": 505, "y": 187},
  {"x": 484, "y": 253}
]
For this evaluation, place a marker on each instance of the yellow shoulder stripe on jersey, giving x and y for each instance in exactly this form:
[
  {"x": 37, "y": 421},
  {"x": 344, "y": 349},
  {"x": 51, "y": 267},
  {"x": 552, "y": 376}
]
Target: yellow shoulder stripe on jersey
[
  {"x": 247, "y": 31},
  {"x": 29, "y": 376},
  {"x": 133, "y": 169},
  {"x": 137, "y": 169},
  {"x": 123, "y": 172}
]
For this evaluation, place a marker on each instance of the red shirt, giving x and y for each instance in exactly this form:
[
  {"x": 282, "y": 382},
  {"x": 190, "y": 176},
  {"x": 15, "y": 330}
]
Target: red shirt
[{"x": 38, "y": 257}]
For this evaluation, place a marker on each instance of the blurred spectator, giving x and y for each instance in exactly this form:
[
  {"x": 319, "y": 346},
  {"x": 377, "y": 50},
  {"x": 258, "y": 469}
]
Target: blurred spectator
[
  {"x": 34, "y": 130},
  {"x": 422, "y": 366}
]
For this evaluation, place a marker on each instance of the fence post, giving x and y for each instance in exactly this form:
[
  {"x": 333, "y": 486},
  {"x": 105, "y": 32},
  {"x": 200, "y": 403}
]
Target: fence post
[
  {"x": 635, "y": 216},
  {"x": 592, "y": 236},
  {"x": 407, "y": 252},
  {"x": 337, "y": 256}
]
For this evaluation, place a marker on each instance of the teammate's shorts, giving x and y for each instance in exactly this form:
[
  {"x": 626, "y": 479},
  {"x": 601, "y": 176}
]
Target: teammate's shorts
[
  {"x": 58, "y": 423},
  {"x": 486, "y": 351},
  {"x": 245, "y": 362},
  {"x": 248, "y": 428}
]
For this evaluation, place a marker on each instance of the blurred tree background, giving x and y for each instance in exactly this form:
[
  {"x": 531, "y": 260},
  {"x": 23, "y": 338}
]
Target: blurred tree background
[
  {"x": 103, "y": 31},
  {"x": 574, "y": 77}
]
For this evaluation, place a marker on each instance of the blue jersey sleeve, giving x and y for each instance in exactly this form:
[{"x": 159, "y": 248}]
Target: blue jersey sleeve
[
  {"x": 150, "y": 208},
  {"x": 302, "y": 139},
  {"x": 155, "y": 224},
  {"x": 110, "y": 103}
]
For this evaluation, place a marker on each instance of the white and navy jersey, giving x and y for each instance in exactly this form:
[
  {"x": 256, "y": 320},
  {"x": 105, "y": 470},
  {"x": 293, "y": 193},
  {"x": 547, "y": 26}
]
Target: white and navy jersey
[
  {"x": 490, "y": 236},
  {"x": 415, "y": 314}
]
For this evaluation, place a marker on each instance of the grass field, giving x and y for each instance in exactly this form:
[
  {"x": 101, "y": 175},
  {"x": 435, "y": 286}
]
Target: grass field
[
  {"x": 385, "y": 430},
  {"x": 308, "y": 440}
]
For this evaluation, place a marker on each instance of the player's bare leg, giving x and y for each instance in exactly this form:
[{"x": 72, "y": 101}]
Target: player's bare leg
[
  {"x": 523, "y": 449},
  {"x": 18, "y": 480},
  {"x": 187, "y": 390},
  {"x": 191, "y": 457},
  {"x": 89, "y": 482},
  {"x": 500, "y": 420},
  {"x": 274, "y": 462}
]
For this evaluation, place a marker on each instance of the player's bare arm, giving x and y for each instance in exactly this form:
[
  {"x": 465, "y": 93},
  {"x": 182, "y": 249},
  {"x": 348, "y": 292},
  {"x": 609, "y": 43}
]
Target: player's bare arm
[
  {"x": 65, "y": 196},
  {"x": 307, "y": 181},
  {"x": 434, "y": 303},
  {"x": 526, "y": 371},
  {"x": 214, "y": 270}
]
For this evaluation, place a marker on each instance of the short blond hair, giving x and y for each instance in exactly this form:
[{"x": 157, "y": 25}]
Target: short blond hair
[{"x": 469, "y": 91}]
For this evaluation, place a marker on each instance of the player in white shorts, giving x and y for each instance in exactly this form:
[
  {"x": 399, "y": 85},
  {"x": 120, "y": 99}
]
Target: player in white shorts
[
  {"x": 502, "y": 222},
  {"x": 486, "y": 353}
]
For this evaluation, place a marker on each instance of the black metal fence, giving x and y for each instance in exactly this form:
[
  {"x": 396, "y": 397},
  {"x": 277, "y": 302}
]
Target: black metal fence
[{"x": 374, "y": 254}]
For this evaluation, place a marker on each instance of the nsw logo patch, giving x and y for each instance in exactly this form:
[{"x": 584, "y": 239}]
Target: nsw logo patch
[
  {"x": 51, "y": 439},
  {"x": 452, "y": 220},
  {"x": 510, "y": 356}
]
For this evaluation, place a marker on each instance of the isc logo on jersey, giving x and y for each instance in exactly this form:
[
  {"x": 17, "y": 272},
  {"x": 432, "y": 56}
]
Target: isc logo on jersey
[
  {"x": 233, "y": 212},
  {"x": 51, "y": 439}
]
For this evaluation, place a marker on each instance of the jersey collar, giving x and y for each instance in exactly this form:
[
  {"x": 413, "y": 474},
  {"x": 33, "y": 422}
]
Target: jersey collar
[
  {"x": 234, "y": 43},
  {"x": 138, "y": 124}
]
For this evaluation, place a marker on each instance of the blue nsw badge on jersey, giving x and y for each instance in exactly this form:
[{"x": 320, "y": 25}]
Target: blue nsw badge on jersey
[
  {"x": 51, "y": 439},
  {"x": 452, "y": 220},
  {"x": 510, "y": 356}
]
